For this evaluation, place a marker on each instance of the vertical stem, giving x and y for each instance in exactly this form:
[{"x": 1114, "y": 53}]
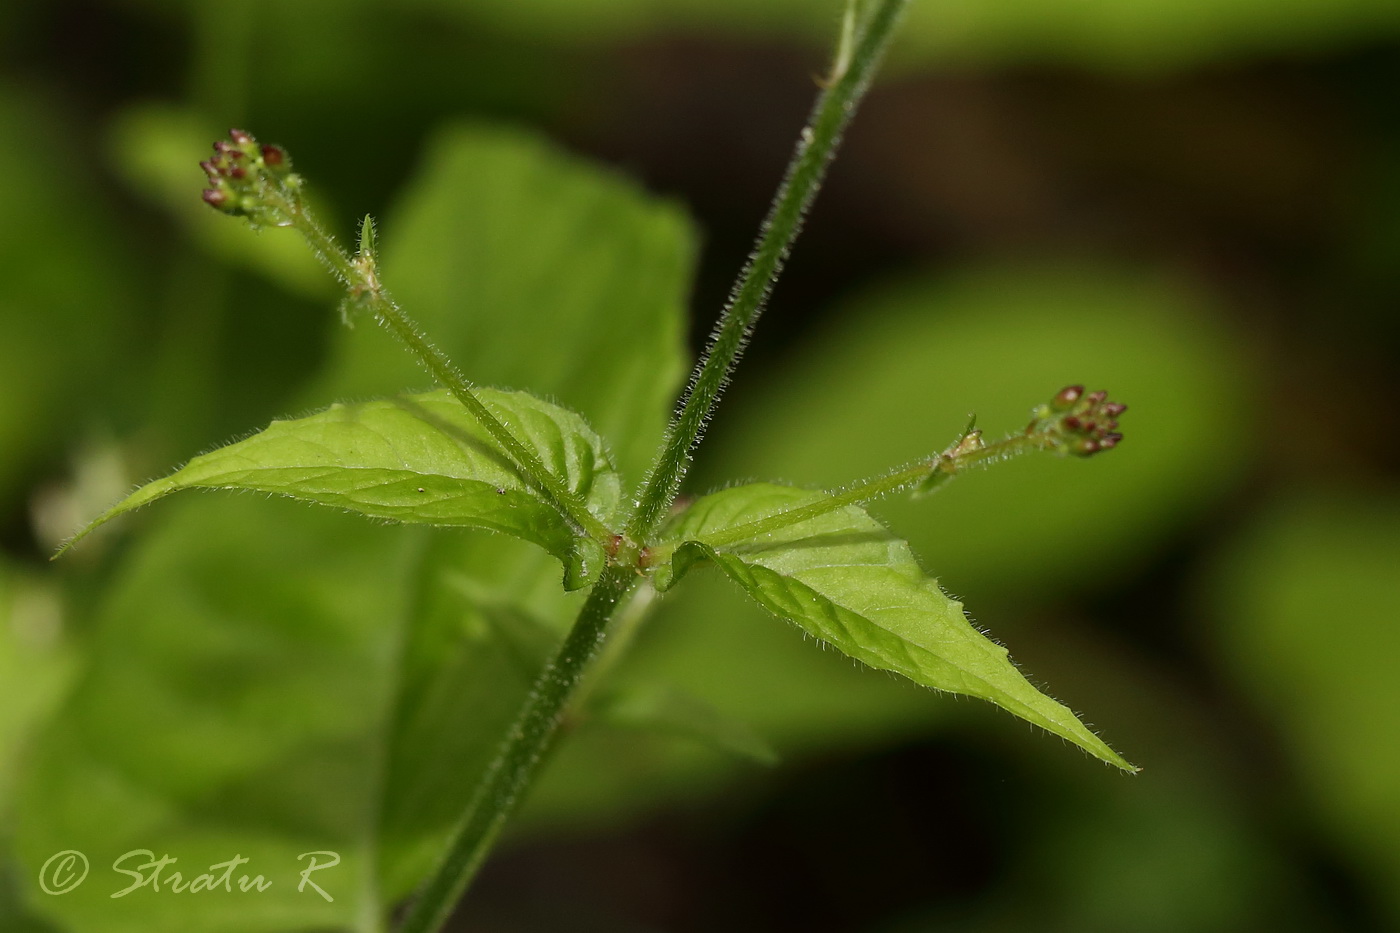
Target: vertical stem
[
  {"x": 534, "y": 731},
  {"x": 815, "y": 149},
  {"x": 525, "y": 745}
]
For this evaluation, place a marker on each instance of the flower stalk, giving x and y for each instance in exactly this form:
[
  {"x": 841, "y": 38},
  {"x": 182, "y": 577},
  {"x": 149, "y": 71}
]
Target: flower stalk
[{"x": 1072, "y": 423}]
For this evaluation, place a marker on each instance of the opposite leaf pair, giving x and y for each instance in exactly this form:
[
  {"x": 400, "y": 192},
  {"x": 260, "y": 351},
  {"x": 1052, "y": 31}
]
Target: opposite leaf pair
[{"x": 828, "y": 567}]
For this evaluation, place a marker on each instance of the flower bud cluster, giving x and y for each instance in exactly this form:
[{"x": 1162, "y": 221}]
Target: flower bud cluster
[
  {"x": 250, "y": 180},
  {"x": 1078, "y": 423}
]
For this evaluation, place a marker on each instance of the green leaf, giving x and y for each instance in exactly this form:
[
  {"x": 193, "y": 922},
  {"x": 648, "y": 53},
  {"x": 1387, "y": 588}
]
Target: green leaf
[
  {"x": 418, "y": 459},
  {"x": 674, "y": 712},
  {"x": 847, "y": 581}
]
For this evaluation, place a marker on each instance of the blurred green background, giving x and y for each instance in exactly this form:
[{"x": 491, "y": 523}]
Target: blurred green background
[{"x": 1193, "y": 205}]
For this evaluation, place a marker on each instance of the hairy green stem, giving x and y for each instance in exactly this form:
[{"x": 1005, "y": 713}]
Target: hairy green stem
[
  {"x": 856, "y": 62},
  {"x": 515, "y": 764},
  {"x": 937, "y": 471},
  {"x": 361, "y": 277},
  {"x": 535, "y": 729}
]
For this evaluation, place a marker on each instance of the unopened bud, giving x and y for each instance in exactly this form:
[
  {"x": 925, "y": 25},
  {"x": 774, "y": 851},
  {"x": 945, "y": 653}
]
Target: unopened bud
[
  {"x": 251, "y": 180},
  {"x": 1066, "y": 397},
  {"x": 1076, "y": 423}
]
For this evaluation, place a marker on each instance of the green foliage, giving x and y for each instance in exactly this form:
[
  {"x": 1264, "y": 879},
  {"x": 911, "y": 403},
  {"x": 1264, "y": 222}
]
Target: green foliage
[
  {"x": 36, "y": 664},
  {"x": 1149, "y": 34},
  {"x": 848, "y": 582},
  {"x": 438, "y": 632},
  {"x": 1307, "y": 603},
  {"x": 238, "y": 702},
  {"x": 65, "y": 306},
  {"x": 418, "y": 459},
  {"x": 665, "y": 710}
]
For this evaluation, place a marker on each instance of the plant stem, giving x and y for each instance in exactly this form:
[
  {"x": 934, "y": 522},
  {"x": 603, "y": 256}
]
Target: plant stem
[
  {"x": 937, "y": 470},
  {"x": 535, "y": 729},
  {"x": 525, "y": 745},
  {"x": 856, "y": 64},
  {"x": 361, "y": 277}
]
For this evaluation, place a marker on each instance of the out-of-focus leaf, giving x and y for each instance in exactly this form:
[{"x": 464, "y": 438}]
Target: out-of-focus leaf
[
  {"x": 536, "y": 272},
  {"x": 845, "y": 580},
  {"x": 670, "y": 711},
  {"x": 487, "y": 614},
  {"x": 14, "y": 916},
  {"x": 896, "y": 373},
  {"x": 418, "y": 459},
  {"x": 64, "y": 306},
  {"x": 1145, "y": 34},
  {"x": 157, "y": 149},
  {"x": 35, "y": 666},
  {"x": 235, "y": 705},
  {"x": 1307, "y": 607}
]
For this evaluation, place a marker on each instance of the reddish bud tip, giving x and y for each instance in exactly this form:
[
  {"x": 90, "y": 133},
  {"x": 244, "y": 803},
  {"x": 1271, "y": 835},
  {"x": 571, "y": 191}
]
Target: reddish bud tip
[
  {"x": 1097, "y": 397},
  {"x": 1110, "y": 441},
  {"x": 240, "y": 136},
  {"x": 273, "y": 156},
  {"x": 1074, "y": 424},
  {"x": 215, "y": 198},
  {"x": 209, "y": 168},
  {"x": 1114, "y": 409},
  {"x": 1067, "y": 397},
  {"x": 238, "y": 172}
]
